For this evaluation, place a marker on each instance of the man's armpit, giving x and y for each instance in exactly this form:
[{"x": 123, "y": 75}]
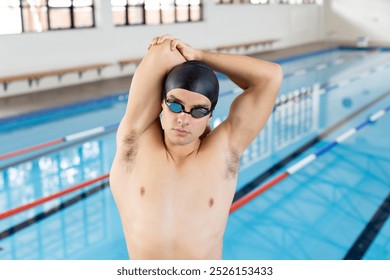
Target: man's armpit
[
  {"x": 130, "y": 147},
  {"x": 232, "y": 164}
]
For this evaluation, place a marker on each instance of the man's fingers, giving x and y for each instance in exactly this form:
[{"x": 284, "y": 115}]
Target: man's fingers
[
  {"x": 161, "y": 39},
  {"x": 174, "y": 43},
  {"x": 158, "y": 40},
  {"x": 154, "y": 41}
]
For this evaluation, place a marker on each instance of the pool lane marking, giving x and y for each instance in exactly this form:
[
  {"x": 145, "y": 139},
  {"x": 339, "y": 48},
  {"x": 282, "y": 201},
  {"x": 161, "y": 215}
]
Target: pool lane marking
[
  {"x": 245, "y": 198},
  {"x": 369, "y": 233}
]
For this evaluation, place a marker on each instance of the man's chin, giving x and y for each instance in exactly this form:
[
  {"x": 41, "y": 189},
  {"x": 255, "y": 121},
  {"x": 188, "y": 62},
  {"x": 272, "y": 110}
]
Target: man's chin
[{"x": 180, "y": 140}]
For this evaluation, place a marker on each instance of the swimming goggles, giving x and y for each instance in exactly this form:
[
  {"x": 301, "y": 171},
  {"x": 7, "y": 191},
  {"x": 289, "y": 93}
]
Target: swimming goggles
[{"x": 177, "y": 107}]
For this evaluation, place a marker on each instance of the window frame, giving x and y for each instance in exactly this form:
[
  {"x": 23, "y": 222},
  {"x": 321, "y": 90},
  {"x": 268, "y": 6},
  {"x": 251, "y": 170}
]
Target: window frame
[
  {"x": 144, "y": 22},
  {"x": 25, "y": 7},
  {"x": 269, "y": 2}
]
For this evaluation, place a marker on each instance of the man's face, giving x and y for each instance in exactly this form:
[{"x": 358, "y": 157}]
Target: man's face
[{"x": 182, "y": 128}]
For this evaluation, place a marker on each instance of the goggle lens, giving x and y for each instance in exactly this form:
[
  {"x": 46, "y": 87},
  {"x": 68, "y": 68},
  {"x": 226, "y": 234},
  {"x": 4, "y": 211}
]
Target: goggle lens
[{"x": 177, "y": 107}]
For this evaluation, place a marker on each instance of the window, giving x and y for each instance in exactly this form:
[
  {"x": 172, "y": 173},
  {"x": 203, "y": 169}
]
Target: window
[
  {"x": 10, "y": 18},
  {"x": 297, "y": 2},
  {"x": 154, "y": 12},
  {"x": 18, "y": 16},
  {"x": 256, "y": 2}
]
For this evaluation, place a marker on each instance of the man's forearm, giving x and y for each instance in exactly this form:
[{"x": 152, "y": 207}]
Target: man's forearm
[
  {"x": 144, "y": 104},
  {"x": 245, "y": 71}
]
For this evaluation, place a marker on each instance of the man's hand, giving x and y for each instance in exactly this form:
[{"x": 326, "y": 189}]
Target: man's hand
[{"x": 186, "y": 51}]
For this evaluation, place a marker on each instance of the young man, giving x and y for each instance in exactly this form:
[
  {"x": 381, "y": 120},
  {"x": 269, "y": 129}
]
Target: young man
[{"x": 172, "y": 180}]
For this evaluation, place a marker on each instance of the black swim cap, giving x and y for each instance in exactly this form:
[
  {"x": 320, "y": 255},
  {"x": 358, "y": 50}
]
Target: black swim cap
[{"x": 196, "y": 76}]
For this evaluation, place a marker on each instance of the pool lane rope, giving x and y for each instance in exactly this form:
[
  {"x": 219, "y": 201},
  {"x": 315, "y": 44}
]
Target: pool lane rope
[
  {"x": 72, "y": 137},
  {"x": 307, "y": 160},
  {"x": 239, "y": 203},
  {"x": 42, "y": 200},
  {"x": 324, "y": 65}
]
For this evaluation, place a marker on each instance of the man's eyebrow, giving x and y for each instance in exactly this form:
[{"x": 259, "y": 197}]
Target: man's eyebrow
[
  {"x": 201, "y": 106},
  {"x": 195, "y": 106},
  {"x": 175, "y": 98}
]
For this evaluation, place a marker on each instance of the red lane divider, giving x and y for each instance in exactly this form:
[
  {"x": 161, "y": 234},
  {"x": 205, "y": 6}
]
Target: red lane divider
[
  {"x": 245, "y": 199},
  {"x": 32, "y": 148},
  {"x": 42, "y": 200}
]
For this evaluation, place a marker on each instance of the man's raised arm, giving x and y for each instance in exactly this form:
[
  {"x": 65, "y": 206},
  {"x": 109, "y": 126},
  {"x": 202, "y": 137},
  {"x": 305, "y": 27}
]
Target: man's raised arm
[
  {"x": 249, "y": 112},
  {"x": 144, "y": 102}
]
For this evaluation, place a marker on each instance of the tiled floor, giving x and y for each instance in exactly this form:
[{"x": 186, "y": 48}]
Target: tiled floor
[{"x": 12, "y": 106}]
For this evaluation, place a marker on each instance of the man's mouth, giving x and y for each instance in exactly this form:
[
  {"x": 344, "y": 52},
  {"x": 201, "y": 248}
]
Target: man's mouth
[{"x": 181, "y": 132}]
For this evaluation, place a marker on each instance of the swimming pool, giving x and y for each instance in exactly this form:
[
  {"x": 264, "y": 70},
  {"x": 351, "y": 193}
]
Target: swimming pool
[{"x": 323, "y": 211}]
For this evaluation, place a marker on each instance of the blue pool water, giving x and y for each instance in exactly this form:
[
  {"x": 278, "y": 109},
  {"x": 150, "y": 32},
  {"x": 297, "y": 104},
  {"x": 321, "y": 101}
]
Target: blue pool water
[{"x": 317, "y": 213}]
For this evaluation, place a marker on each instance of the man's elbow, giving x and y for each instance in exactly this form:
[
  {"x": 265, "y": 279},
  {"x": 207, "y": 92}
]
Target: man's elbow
[
  {"x": 276, "y": 73},
  {"x": 274, "y": 78},
  {"x": 269, "y": 73}
]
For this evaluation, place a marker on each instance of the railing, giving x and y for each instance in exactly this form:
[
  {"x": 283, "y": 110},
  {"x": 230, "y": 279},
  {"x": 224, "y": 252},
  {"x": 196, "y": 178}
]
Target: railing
[
  {"x": 246, "y": 46},
  {"x": 37, "y": 76}
]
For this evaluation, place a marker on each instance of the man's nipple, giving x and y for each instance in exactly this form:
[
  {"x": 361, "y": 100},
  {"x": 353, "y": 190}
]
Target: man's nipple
[{"x": 142, "y": 190}]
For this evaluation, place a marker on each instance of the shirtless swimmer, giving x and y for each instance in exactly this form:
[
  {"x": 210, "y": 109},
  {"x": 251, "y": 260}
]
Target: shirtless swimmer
[{"x": 172, "y": 179}]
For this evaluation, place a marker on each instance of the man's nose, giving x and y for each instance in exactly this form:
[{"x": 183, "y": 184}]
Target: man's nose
[{"x": 184, "y": 118}]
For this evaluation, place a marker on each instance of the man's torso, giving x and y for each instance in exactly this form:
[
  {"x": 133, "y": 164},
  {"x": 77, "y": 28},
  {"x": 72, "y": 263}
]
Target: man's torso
[{"x": 171, "y": 210}]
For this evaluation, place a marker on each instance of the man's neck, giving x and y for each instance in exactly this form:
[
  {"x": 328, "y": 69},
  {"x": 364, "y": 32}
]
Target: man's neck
[{"x": 179, "y": 153}]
